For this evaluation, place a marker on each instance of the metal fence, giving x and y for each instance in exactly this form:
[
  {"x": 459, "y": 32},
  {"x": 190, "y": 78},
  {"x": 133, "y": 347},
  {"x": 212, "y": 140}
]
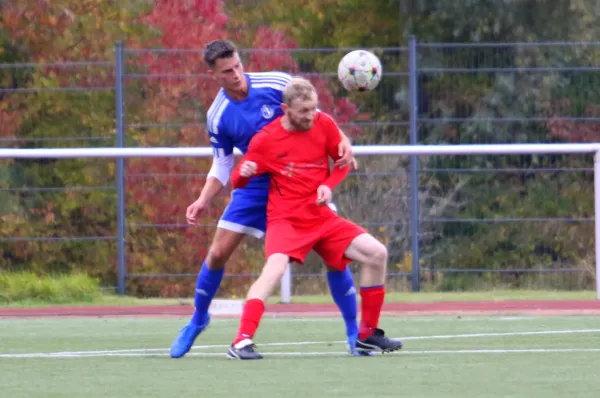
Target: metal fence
[
  {"x": 46, "y": 222},
  {"x": 509, "y": 93},
  {"x": 527, "y": 215}
]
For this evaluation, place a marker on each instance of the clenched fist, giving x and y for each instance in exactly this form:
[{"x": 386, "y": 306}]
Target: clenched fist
[
  {"x": 248, "y": 169},
  {"x": 323, "y": 195}
]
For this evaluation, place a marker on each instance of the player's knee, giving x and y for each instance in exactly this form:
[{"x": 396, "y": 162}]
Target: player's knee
[
  {"x": 379, "y": 255},
  {"x": 276, "y": 265},
  {"x": 217, "y": 257},
  {"x": 276, "y": 271}
]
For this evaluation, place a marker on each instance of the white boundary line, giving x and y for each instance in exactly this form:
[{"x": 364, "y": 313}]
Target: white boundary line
[
  {"x": 93, "y": 354},
  {"x": 162, "y": 351}
]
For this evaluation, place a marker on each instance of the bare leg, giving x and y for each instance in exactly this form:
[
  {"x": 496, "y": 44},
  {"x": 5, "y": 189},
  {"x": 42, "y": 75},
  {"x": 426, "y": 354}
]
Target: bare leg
[
  {"x": 222, "y": 247},
  {"x": 270, "y": 276},
  {"x": 207, "y": 284},
  {"x": 373, "y": 255},
  {"x": 254, "y": 308}
]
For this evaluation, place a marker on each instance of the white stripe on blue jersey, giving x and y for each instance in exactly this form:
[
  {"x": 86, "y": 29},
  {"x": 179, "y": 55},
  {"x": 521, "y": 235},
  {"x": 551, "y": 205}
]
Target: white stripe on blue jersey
[
  {"x": 215, "y": 104},
  {"x": 232, "y": 125},
  {"x": 275, "y": 80},
  {"x": 215, "y": 112},
  {"x": 218, "y": 152},
  {"x": 269, "y": 79},
  {"x": 269, "y": 75},
  {"x": 274, "y": 86}
]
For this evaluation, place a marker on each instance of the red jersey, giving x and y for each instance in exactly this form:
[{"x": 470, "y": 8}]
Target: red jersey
[{"x": 298, "y": 163}]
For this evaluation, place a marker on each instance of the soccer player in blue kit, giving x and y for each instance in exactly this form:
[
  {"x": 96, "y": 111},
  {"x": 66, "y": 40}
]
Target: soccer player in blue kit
[{"x": 245, "y": 103}]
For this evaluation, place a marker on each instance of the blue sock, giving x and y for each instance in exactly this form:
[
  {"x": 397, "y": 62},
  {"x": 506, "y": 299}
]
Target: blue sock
[
  {"x": 343, "y": 291},
  {"x": 206, "y": 287}
]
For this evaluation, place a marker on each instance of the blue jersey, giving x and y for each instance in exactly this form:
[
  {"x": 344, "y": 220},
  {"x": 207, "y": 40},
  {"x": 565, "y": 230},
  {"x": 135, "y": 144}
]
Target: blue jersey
[{"x": 232, "y": 124}]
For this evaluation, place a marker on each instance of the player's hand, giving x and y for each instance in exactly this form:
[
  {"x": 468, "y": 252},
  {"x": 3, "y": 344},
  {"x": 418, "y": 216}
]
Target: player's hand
[
  {"x": 323, "y": 195},
  {"x": 346, "y": 155},
  {"x": 248, "y": 169},
  {"x": 194, "y": 211}
]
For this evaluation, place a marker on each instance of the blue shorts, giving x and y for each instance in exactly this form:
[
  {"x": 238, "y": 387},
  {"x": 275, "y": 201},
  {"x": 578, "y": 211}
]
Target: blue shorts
[{"x": 247, "y": 212}]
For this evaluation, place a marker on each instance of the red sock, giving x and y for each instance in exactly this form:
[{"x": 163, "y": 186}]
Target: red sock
[
  {"x": 371, "y": 303},
  {"x": 253, "y": 312}
]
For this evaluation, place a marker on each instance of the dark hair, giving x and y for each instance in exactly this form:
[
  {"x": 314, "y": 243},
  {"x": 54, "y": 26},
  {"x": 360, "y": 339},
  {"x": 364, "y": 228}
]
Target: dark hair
[{"x": 218, "y": 49}]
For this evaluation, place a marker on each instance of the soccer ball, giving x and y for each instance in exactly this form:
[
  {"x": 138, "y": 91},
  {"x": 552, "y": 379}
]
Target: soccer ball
[{"x": 359, "y": 70}]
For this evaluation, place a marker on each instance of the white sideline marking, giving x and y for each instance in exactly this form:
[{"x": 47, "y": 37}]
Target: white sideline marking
[
  {"x": 458, "y": 336},
  {"x": 93, "y": 354},
  {"x": 157, "y": 351},
  {"x": 442, "y": 318}
]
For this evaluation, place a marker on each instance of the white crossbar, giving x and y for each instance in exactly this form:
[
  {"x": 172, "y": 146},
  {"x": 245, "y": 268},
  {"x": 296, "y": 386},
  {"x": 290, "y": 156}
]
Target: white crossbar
[
  {"x": 418, "y": 150},
  {"x": 398, "y": 150}
]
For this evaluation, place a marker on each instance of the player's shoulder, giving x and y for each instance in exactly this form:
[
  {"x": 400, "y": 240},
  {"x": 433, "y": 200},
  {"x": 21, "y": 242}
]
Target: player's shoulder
[
  {"x": 214, "y": 115},
  {"x": 324, "y": 118},
  {"x": 274, "y": 80},
  {"x": 326, "y": 124},
  {"x": 273, "y": 128},
  {"x": 272, "y": 75},
  {"x": 218, "y": 105},
  {"x": 261, "y": 138}
]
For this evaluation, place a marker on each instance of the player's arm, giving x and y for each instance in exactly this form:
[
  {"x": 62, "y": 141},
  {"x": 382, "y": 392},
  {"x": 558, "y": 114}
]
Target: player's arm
[
  {"x": 222, "y": 164},
  {"x": 252, "y": 164},
  {"x": 337, "y": 175},
  {"x": 334, "y": 138},
  {"x": 346, "y": 155},
  {"x": 324, "y": 191},
  {"x": 217, "y": 176}
]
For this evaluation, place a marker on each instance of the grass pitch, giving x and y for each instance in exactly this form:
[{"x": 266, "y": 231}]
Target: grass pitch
[{"x": 444, "y": 356}]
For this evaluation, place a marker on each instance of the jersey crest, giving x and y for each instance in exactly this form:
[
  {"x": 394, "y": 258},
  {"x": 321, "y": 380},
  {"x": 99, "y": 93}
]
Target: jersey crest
[{"x": 267, "y": 112}]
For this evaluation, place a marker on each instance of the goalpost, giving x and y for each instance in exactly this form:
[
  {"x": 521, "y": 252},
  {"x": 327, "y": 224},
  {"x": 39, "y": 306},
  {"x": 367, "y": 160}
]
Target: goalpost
[{"x": 398, "y": 150}]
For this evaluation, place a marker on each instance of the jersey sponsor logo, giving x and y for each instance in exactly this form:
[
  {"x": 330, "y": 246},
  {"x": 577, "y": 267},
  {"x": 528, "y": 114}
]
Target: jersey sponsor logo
[
  {"x": 288, "y": 170},
  {"x": 267, "y": 112}
]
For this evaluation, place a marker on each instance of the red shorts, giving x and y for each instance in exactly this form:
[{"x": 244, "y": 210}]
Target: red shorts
[{"x": 329, "y": 239}]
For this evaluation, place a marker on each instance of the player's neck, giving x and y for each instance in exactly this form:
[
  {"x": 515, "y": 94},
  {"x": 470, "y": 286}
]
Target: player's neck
[
  {"x": 285, "y": 123},
  {"x": 239, "y": 94}
]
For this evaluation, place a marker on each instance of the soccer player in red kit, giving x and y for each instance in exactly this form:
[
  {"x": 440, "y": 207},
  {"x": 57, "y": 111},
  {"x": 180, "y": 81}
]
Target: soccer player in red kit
[{"x": 294, "y": 150}]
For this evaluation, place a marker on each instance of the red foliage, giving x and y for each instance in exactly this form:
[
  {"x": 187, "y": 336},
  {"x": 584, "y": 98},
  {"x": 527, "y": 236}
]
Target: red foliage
[
  {"x": 187, "y": 24},
  {"x": 271, "y": 51},
  {"x": 36, "y": 23},
  {"x": 10, "y": 122},
  {"x": 572, "y": 130},
  {"x": 185, "y": 28},
  {"x": 176, "y": 89},
  {"x": 54, "y": 33}
]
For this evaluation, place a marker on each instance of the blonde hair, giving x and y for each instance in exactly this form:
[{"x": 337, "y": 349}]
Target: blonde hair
[{"x": 298, "y": 88}]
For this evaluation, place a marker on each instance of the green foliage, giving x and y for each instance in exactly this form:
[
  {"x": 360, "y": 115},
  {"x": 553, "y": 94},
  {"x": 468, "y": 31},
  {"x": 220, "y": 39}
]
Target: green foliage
[
  {"x": 503, "y": 21},
  {"x": 68, "y": 106},
  {"x": 508, "y": 94},
  {"x": 327, "y": 23},
  {"x": 50, "y": 288}
]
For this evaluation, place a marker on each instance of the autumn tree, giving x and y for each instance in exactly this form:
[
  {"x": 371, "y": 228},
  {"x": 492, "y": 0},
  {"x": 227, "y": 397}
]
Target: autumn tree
[
  {"x": 57, "y": 102},
  {"x": 482, "y": 101},
  {"x": 506, "y": 94},
  {"x": 166, "y": 104},
  {"x": 167, "y": 92}
]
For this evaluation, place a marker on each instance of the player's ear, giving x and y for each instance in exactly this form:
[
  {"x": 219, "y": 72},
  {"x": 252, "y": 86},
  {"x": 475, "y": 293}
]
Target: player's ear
[
  {"x": 284, "y": 107},
  {"x": 211, "y": 73}
]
